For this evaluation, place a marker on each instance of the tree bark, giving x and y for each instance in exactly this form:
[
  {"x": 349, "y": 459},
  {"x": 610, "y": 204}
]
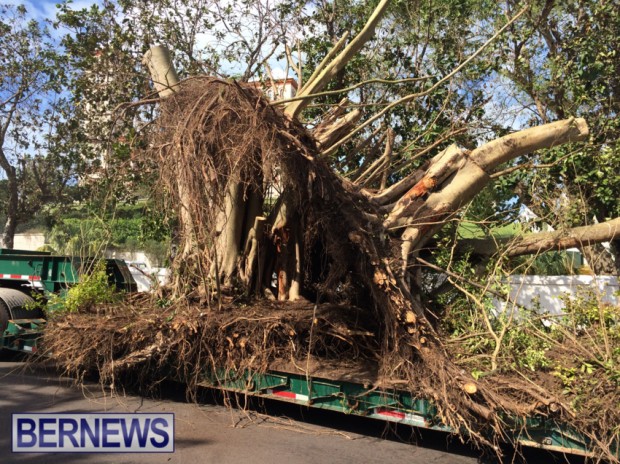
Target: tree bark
[
  {"x": 422, "y": 218},
  {"x": 230, "y": 233},
  {"x": 165, "y": 79},
  {"x": 288, "y": 248},
  {"x": 8, "y": 236},
  {"x": 333, "y": 68},
  {"x": 163, "y": 74},
  {"x": 546, "y": 241},
  {"x": 336, "y": 124},
  {"x": 511, "y": 146}
]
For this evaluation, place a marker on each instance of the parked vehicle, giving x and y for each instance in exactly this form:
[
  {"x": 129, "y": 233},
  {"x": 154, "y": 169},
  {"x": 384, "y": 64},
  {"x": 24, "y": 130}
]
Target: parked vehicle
[{"x": 26, "y": 275}]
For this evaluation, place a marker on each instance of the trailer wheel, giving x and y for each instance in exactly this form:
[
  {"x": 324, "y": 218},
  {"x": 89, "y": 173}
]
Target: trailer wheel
[
  {"x": 4, "y": 317},
  {"x": 12, "y": 304}
]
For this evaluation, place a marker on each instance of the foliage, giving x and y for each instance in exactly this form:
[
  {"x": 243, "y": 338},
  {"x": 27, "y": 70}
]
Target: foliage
[
  {"x": 81, "y": 233},
  {"x": 581, "y": 348},
  {"x": 563, "y": 61},
  {"x": 92, "y": 289},
  {"x": 416, "y": 40},
  {"x": 32, "y": 108},
  {"x": 87, "y": 237},
  {"x": 586, "y": 309}
]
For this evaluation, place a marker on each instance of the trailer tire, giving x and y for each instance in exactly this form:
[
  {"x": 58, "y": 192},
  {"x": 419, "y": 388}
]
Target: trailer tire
[
  {"x": 12, "y": 304},
  {"x": 4, "y": 317}
]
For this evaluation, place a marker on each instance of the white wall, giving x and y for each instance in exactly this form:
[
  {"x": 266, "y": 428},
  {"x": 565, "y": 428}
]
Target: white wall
[
  {"x": 547, "y": 292},
  {"x": 28, "y": 241},
  {"x": 146, "y": 279},
  {"x": 137, "y": 256}
]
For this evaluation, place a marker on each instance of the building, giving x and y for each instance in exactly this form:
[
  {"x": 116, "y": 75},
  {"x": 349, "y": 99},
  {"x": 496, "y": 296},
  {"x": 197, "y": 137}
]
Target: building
[{"x": 277, "y": 89}]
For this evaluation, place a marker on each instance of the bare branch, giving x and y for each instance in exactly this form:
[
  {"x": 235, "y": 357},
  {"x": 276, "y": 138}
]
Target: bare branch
[
  {"x": 293, "y": 109},
  {"x": 546, "y": 241},
  {"x": 431, "y": 89}
]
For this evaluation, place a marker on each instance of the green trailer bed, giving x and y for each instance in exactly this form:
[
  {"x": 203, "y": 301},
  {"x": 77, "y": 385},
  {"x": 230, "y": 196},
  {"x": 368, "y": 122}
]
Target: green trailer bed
[
  {"x": 46, "y": 272},
  {"x": 25, "y": 275},
  {"x": 387, "y": 404}
]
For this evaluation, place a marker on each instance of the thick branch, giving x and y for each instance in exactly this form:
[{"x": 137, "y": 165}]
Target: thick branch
[
  {"x": 163, "y": 74},
  {"x": 330, "y": 71},
  {"x": 335, "y": 124},
  {"x": 423, "y": 219},
  {"x": 511, "y": 146},
  {"x": 328, "y": 58},
  {"x": 546, "y": 241}
]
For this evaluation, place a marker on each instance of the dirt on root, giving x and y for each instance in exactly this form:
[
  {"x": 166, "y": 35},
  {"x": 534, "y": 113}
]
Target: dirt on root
[{"x": 186, "y": 340}]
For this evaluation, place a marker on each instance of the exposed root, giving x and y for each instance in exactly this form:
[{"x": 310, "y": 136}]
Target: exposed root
[{"x": 185, "y": 341}]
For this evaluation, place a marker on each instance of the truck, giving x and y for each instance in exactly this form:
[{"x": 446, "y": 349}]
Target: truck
[{"x": 25, "y": 274}]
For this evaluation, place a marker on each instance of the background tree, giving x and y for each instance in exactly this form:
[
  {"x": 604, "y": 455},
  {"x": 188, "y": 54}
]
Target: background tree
[
  {"x": 562, "y": 59},
  {"x": 31, "y": 79}
]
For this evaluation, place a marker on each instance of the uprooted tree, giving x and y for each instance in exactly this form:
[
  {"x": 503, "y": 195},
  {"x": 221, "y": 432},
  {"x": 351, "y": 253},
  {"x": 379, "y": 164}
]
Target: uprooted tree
[{"x": 261, "y": 217}]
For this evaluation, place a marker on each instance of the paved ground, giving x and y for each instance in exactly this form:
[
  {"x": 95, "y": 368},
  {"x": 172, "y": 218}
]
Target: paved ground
[{"x": 205, "y": 433}]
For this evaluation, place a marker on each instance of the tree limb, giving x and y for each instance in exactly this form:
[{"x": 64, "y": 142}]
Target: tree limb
[
  {"x": 546, "y": 241},
  {"x": 431, "y": 89},
  {"x": 330, "y": 71}
]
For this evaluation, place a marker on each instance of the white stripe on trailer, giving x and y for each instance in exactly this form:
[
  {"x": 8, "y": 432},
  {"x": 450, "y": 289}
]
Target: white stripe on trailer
[
  {"x": 19, "y": 277},
  {"x": 399, "y": 416},
  {"x": 288, "y": 395}
]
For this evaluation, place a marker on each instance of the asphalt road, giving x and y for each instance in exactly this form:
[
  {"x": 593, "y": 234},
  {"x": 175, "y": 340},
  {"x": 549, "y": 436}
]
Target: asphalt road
[{"x": 205, "y": 433}]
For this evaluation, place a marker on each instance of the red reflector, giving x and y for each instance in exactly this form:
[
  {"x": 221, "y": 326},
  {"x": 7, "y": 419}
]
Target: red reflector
[
  {"x": 387, "y": 412},
  {"x": 285, "y": 394}
]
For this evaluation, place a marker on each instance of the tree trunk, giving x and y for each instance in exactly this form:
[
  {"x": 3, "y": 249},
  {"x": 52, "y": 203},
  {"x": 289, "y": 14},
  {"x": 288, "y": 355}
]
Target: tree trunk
[
  {"x": 458, "y": 178},
  {"x": 234, "y": 217},
  {"x": 10, "y": 226},
  {"x": 163, "y": 74}
]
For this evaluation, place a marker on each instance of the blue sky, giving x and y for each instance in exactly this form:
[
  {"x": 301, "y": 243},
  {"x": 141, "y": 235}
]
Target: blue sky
[{"x": 46, "y": 9}]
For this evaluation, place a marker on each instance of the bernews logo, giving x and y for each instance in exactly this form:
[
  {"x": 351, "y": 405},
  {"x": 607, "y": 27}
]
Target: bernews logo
[{"x": 93, "y": 433}]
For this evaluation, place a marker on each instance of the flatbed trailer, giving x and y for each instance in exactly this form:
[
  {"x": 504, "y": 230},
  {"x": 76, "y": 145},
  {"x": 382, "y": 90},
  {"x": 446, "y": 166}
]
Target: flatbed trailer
[
  {"x": 389, "y": 404},
  {"x": 27, "y": 275},
  {"x": 24, "y": 273}
]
